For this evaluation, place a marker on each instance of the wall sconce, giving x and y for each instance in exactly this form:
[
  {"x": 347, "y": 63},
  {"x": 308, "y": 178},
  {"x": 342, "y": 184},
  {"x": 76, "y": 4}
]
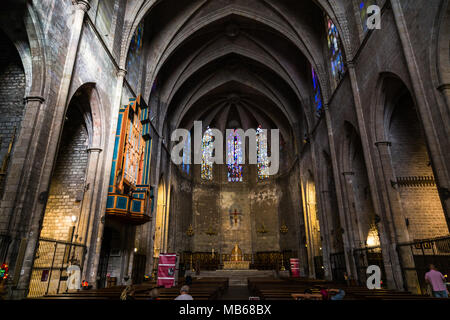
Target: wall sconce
[
  {"x": 284, "y": 229},
  {"x": 190, "y": 231},
  {"x": 211, "y": 231},
  {"x": 262, "y": 229},
  {"x": 73, "y": 218}
]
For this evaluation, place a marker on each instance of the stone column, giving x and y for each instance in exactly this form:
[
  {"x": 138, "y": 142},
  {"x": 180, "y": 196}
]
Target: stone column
[
  {"x": 81, "y": 7},
  {"x": 397, "y": 217},
  {"x": 91, "y": 196},
  {"x": 353, "y": 221},
  {"x": 439, "y": 157},
  {"x": 385, "y": 228},
  {"x": 95, "y": 232},
  {"x": 339, "y": 195}
]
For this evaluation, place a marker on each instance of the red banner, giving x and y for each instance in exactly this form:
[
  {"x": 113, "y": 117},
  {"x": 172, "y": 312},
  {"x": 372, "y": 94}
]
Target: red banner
[
  {"x": 295, "y": 268},
  {"x": 166, "y": 269}
]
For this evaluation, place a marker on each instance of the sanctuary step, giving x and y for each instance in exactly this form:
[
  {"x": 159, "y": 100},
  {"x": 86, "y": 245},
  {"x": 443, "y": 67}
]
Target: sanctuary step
[{"x": 236, "y": 277}]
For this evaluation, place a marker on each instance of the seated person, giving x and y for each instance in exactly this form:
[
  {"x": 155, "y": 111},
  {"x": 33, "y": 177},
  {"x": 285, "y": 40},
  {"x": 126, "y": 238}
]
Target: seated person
[
  {"x": 340, "y": 294},
  {"x": 308, "y": 295},
  {"x": 128, "y": 293},
  {"x": 154, "y": 294},
  {"x": 184, "y": 294}
]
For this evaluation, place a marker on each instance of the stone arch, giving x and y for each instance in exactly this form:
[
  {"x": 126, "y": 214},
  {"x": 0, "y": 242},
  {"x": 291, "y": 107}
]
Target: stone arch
[
  {"x": 411, "y": 164},
  {"x": 160, "y": 218},
  {"x": 312, "y": 225}
]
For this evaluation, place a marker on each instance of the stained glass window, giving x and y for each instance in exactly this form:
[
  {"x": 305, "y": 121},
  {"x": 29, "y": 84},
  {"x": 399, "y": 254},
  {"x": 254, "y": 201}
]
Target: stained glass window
[
  {"x": 334, "y": 45},
  {"x": 134, "y": 58},
  {"x": 317, "y": 94},
  {"x": 234, "y": 157},
  {"x": 262, "y": 156},
  {"x": 363, "y": 5},
  {"x": 207, "y": 153},
  {"x": 187, "y": 154}
]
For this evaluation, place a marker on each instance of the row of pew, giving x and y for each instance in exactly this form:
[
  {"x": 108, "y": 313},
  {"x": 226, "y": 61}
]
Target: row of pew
[
  {"x": 200, "y": 289},
  {"x": 283, "y": 289}
]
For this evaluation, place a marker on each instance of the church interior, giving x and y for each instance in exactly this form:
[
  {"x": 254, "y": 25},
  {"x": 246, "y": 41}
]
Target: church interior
[{"x": 352, "y": 97}]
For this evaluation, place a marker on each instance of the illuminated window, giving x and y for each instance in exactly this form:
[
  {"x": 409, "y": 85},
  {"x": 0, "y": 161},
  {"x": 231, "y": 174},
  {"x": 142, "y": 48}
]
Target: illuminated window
[
  {"x": 134, "y": 58},
  {"x": 334, "y": 46},
  {"x": 262, "y": 156},
  {"x": 317, "y": 94},
  {"x": 207, "y": 153},
  {"x": 187, "y": 155},
  {"x": 234, "y": 157},
  {"x": 363, "y": 5}
]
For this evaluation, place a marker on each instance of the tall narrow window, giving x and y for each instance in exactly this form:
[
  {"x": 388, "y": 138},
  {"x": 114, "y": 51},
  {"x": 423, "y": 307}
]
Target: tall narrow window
[
  {"x": 187, "y": 155},
  {"x": 318, "y": 105},
  {"x": 207, "y": 153},
  {"x": 134, "y": 58},
  {"x": 363, "y": 5},
  {"x": 334, "y": 46},
  {"x": 105, "y": 11},
  {"x": 234, "y": 157},
  {"x": 262, "y": 156}
]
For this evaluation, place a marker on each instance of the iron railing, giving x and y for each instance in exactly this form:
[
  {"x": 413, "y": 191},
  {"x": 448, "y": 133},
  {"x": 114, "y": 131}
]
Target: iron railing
[
  {"x": 365, "y": 257},
  {"x": 53, "y": 257},
  {"x": 424, "y": 252},
  {"x": 338, "y": 266}
]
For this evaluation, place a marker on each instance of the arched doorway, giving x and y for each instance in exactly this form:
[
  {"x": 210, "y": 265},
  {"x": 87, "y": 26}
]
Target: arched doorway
[{"x": 312, "y": 228}]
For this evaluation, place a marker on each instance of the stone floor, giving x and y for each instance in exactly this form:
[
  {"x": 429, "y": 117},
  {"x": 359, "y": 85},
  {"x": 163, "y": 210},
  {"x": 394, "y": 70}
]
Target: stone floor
[
  {"x": 236, "y": 293},
  {"x": 237, "y": 278}
]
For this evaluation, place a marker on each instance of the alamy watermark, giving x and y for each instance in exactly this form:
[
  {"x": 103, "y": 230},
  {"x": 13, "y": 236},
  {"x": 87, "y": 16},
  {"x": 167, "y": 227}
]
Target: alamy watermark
[
  {"x": 373, "y": 17},
  {"x": 181, "y": 147}
]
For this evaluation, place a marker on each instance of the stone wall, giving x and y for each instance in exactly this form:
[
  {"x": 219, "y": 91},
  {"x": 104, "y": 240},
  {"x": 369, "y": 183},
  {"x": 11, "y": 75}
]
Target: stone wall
[
  {"x": 12, "y": 90},
  {"x": 67, "y": 185}
]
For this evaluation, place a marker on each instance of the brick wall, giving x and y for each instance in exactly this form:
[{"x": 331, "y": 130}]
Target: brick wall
[
  {"x": 421, "y": 204},
  {"x": 67, "y": 179},
  {"x": 12, "y": 90}
]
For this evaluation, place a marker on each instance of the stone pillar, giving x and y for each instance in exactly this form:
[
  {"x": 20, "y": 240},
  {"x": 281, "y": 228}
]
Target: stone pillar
[
  {"x": 439, "y": 157},
  {"x": 91, "y": 196},
  {"x": 397, "y": 218},
  {"x": 81, "y": 7},
  {"x": 384, "y": 227},
  {"x": 339, "y": 195},
  {"x": 95, "y": 232},
  {"x": 349, "y": 194}
]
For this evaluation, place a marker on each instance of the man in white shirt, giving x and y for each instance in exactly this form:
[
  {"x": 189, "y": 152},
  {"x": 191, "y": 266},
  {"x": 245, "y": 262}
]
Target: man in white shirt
[{"x": 184, "y": 294}]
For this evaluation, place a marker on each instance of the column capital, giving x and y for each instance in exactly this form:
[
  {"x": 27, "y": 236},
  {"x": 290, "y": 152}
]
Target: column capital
[
  {"x": 443, "y": 86},
  {"x": 121, "y": 72},
  {"x": 351, "y": 64},
  {"x": 82, "y": 5},
  {"x": 27, "y": 99},
  {"x": 348, "y": 173},
  {"x": 383, "y": 143},
  {"x": 94, "y": 149}
]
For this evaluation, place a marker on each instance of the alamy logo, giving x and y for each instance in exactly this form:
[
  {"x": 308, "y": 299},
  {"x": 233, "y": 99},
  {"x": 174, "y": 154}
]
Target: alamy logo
[
  {"x": 181, "y": 147},
  {"x": 374, "y": 280},
  {"x": 374, "y": 17}
]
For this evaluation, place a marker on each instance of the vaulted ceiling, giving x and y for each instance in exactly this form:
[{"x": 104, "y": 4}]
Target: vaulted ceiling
[{"x": 229, "y": 62}]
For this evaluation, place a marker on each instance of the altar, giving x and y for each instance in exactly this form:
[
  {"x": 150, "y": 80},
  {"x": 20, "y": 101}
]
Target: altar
[
  {"x": 236, "y": 262},
  {"x": 236, "y": 265}
]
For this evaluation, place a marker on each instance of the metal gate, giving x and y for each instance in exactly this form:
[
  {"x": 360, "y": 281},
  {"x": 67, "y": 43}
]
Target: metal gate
[
  {"x": 138, "y": 271},
  {"x": 365, "y": 257},
  {"x": 49, "y": 275},
  {"x": 318, "y": 267},
  {"x": 425, "y": 252},
  {"x": 338, "y": 267}
]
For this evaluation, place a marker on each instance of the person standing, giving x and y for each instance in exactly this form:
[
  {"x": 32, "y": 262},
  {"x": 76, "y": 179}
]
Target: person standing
[{"x": 437, "y": 282}]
